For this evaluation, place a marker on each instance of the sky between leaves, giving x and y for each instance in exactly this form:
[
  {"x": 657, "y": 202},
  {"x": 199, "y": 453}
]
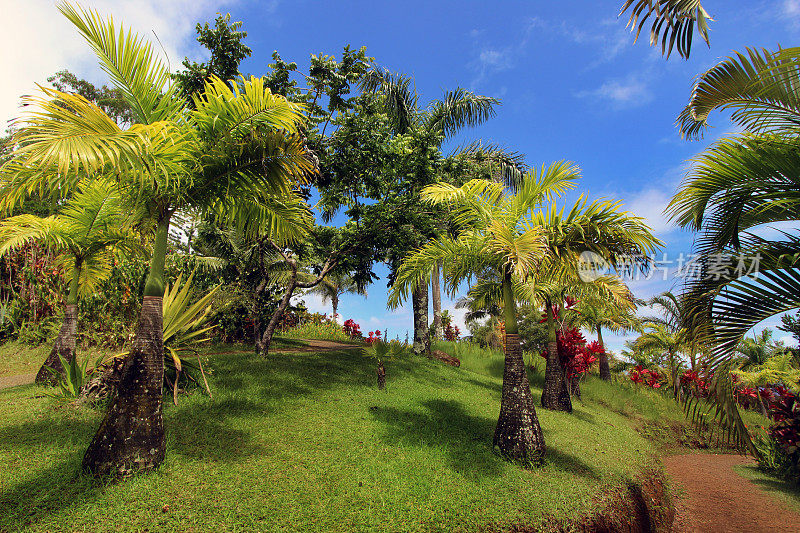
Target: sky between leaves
[{"x": 572, "y": 83}]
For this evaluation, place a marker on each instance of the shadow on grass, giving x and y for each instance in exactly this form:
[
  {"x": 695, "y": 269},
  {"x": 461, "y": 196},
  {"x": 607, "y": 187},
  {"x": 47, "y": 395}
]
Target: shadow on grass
[
  {"x": 444, "y": 424},
  {"x": 770, "y": 483},
  {"x": 466, "y": 438},
  {"x": 48, "y": 492}
]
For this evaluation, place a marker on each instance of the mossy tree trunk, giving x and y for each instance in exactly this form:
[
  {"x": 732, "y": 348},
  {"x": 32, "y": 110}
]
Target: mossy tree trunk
[
  {"x": 64, "y": 345},
  {"x": 518, "y": 435},
  {"x": 419, "y": 302},
  {"x": 555, "y": 394},
  {"x": 605, "y": 369},
  {"x": 131, "y": 436}
]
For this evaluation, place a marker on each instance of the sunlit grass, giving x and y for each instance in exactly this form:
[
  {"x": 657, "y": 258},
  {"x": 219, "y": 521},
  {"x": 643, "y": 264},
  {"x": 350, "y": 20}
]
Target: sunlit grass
[
  {"x": 326, "y": 331},
  {"x": 306, "y": 442}
]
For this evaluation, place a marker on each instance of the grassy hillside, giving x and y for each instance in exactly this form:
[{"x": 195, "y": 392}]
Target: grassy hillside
[{"x": 305, "y": 442}]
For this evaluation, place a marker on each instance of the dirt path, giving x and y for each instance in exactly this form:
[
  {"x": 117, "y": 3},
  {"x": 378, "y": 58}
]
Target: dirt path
[
  {"x": 717, "y": 499},
  {"x": 13, "y": 381}
]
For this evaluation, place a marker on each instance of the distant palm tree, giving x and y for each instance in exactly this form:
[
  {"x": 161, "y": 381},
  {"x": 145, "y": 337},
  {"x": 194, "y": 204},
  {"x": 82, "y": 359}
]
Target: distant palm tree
[
  {"x": 756, "y": 350},
  {"x": 440, "y": 120},
  {"x": 597, "y": 315},
  {"x": 92, "y": 225},
  {"x": 336, "y": 284},
  {"x": 670, "y": 344}
]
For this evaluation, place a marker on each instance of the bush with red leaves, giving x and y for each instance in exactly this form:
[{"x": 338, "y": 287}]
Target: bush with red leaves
[
  {"x": 783, "y": 453},
  {"x": 646, "y": 377},
  {"x": 373, "y": 336},
  {"x": 695, "y": 384},
  {"x": 575, "y": 355}
]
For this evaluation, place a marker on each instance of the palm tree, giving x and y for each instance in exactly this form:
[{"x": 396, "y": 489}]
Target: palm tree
[
  {"x": 757, "y": 350},
  {"x": 336, "y": 284},
  {"x": 673, "y": 22},
  {"x": 670, "y": 344},
  {"x": 557, "y": 290},
  {"x": 236, "y": 146},
  {"x": 439, "y": 121},
  {"x": 599, "y": 314},
  {"x": 500, "y": 233},
  {"x": 87, "y": 231},
  {"x": 738, "y": 186}
]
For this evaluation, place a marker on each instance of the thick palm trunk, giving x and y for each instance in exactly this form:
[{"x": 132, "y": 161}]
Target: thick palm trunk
[
  {"x": 65, "y": 342},
  {"x": 63, "y": 347},
  {"x": 131, "y": 436},
  {"x": 555, "y": 394},
  {"x": 436, "y": 297},
  {"x": 419, "y": 301},
  {"x": 518, "y": 435},
  {"x": 605, "y": 369},
  {"x": 263, "y": 342}
]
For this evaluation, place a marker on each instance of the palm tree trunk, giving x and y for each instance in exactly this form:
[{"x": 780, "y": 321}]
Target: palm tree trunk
[
  {"x": 263, "y": 343},
  {"x": 419, "y": 301},
  {"x": 335, "y": 305},
  {"x": 131, "y": 436},
  {"x": 518, "y": 435},
  {"x": 381, "y": 376},
  {"x": 65, "y": 342},
  {"x": 605, "y": 369},
  {"x": 436, "y": 296},
  {"x": 555, "y": 394}
]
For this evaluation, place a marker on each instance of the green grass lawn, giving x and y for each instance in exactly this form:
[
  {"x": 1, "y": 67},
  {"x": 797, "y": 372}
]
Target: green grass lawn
[
  {"x": 306, "y": 442},
  {"x": 19, "y": 358}
]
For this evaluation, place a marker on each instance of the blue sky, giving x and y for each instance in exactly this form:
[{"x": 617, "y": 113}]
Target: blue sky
[{"x": 572, "y": 83}]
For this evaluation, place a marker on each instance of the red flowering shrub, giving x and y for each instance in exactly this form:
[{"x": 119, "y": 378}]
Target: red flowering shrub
[{"x": 352, "y": 329}]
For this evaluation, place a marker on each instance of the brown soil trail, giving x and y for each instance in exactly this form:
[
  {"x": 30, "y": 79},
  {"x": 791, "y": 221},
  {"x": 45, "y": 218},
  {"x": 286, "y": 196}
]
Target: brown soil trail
[{"x": 716, "y": 499}]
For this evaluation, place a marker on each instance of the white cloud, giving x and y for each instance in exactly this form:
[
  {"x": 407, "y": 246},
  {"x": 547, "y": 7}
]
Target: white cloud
[
  {"x": 650, "y": 204},
  {"x": 631, "y": 91},
  {"x": 791, "y": 11},
  {"x": 788, "y": 340},
  {"x": 38, "y": 41}
]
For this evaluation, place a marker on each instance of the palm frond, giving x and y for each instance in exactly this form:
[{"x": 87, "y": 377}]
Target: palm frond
[
  {"x": 760, "y": 87},
  {"x": 673, "y": 22},
  {"x": 131, "y": 63},
  {"x": 458, "y": 109}
]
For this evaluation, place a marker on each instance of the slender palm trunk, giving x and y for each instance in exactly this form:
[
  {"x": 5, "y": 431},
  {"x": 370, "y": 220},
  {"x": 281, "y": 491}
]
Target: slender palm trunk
[
  {"x": 436, "y": 297},
  {"x": 419, "y": 301},
  {"x": 131, "y": 436},
  {"x": 555, "y": 394},
  {"x": 518, "y": 436},
  {"x": 65, "y": 342},
  {"x": 335, "y": 304},
  {"x": 381, "y": 376},
  {"x": 605, "y": 369},
  {"x": 265, "y": 340}
]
